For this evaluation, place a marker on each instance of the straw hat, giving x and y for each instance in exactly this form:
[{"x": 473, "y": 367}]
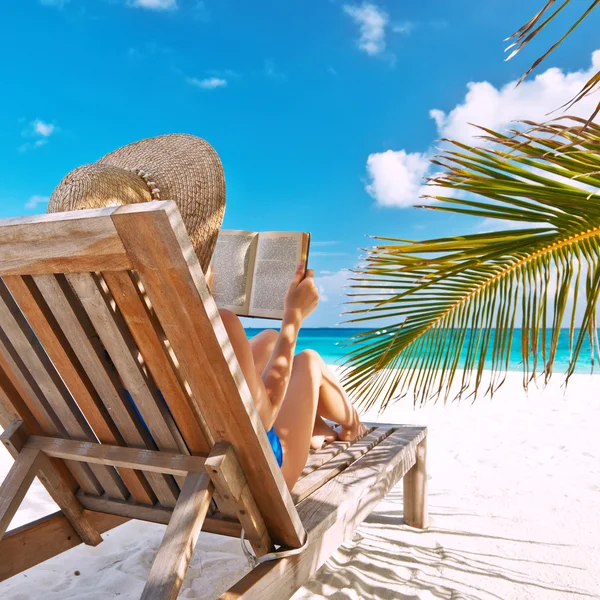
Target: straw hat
[{"x": 178, "y": 167}]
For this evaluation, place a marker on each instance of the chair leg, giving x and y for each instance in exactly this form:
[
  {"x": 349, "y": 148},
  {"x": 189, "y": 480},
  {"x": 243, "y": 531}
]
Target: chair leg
[
  {"x": 14, "y": 439},
  {"x": 415, "y": 490},
  {"x": 15, "y": 485},
  {"x": 179, "y": 541}
]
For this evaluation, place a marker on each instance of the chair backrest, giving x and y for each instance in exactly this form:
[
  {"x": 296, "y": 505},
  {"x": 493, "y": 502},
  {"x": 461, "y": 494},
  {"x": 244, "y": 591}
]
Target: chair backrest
[{"x": 98, "y": 307}]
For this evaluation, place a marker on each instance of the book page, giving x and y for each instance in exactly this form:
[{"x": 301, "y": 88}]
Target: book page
[
  {"x": 277, "y": 255},
  {"x": 232, "y": 263}
]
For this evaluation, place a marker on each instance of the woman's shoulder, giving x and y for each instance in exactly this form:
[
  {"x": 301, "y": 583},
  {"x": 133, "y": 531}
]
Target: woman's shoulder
[{"x": 229, "y": 318}]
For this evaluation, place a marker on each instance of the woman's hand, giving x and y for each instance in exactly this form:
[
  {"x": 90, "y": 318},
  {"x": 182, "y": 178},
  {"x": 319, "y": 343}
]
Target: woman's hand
[{"x": 302, "y": 296}]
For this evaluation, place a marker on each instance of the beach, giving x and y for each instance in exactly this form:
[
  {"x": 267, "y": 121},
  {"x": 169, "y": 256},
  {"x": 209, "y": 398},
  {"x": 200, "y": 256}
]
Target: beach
[{"x": 514, "y": 504}]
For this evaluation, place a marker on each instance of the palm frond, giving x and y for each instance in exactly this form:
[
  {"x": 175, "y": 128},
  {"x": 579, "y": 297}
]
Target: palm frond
[
  {"x": 455, "y": 302},
  {"x": 525, "y": 34}
]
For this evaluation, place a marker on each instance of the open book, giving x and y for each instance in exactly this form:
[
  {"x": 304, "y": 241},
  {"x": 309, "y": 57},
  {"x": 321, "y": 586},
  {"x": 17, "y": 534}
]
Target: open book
[{"x": 252, "y": 271}]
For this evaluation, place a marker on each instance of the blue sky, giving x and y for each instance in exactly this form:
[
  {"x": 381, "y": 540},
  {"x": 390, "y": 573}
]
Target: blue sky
[{"x": 320, "y": 110}]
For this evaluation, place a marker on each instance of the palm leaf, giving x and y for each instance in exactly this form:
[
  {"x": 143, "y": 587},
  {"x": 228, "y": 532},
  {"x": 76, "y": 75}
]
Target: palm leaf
[
  {"x": 454, "y": 302},
  {"x": 538, "y": 23}
]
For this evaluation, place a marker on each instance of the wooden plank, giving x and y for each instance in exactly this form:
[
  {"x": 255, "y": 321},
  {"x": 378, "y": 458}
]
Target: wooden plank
[
  {"x": 57, "y": 487},
  {"x": 15, "y": 485},
  {"x": 29, "y": 401},
  {"x": 73, "y": 322},
  {"x": 40, "y": 367},
  {"x": 43, "y": 324},
  {"x": 175, "y": 552},
  {"x": 7, "y": 414},
  {"x": 307, "y": 485},
  {"x": 32, "y": 544},
  {"x": 225, "y": 472},
  {"x": 415, "y": 490},
  {"x": 17, "y": 409},
  {"x": 115, "y": 337},
  {"x": 331, "y": 514},
  {"x": 131, "y": 510},
  {"x": 319, "y": 457},
  {"x": 157, "y": 243},
  {"x": 130, "y": 458},
  {"x": 61, "y": 242},
  {"x": 144, "y": 328},
  {"x": 156, "y": 514},
  {"x": 23, "y": 393}
]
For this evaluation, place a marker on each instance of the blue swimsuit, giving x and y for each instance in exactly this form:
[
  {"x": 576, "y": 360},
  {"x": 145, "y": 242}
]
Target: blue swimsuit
[
  {"x": 276, "y": 445},
  {"x": 271, "y": 435}
]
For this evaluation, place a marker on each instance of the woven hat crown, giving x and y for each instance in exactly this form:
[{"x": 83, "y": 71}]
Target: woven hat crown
[{"x": 178, "y": 167}]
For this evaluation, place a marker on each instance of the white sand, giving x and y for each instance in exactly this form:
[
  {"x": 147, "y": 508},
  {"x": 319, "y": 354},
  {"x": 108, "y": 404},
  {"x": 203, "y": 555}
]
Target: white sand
[{"x": 514, "y": 497}]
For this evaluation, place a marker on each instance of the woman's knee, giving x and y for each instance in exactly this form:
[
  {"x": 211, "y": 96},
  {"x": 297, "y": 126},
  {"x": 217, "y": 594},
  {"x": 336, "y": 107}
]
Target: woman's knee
[
  {"x": 309, "y": 360},
  {"x": 266, "y": 337}
]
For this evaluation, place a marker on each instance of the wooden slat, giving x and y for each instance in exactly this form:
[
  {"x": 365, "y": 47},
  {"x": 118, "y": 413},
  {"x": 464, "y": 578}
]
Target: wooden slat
[
  {"x": 144, "y": 329},
  {"x": 116, "y": 339},
  {"x": 175, "y": 552},
  {"x": 131, "y": 510},
  {"x": 43, "y": 324},
  {"x": 14, "y": 441},
  {"x": 31, "y": 544},
  {"x": 61, "y": 302},
  {"x": 7, "y": 412},
  {"x": 157, "y": 243},
  {"x": 61, "y": 242},
  {"x": 54, "y": 391},
  {"x": 156, "y": 514},
  {"x": 23, "y": 393},
  {"x": 129, "y": 458},
  {"x": 225, "y": 472},
  {"x": 15, "y": 485},
  {"x": 17, "y": 392},
  {"x": 320, "y": 457},
  {"x": 331, "y": 514},
  {"x": 415, "y": 490},
  {"x": 307, "y": 485}
]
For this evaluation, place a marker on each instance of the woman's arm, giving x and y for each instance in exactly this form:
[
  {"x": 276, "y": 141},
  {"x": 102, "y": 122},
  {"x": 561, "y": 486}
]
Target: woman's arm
[
  {"x": 269, "y": 391},
  {"x": 301, "y": 299}
]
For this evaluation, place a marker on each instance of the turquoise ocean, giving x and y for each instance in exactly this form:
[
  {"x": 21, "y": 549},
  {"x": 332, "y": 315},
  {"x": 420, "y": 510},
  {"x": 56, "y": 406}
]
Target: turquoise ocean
[{"x": 330, "y": 344}]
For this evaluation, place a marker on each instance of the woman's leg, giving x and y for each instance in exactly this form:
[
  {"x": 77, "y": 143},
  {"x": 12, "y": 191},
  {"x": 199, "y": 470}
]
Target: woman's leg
[
  {"x": 312, "y": 387},
  {"x": 262, "y": 347}
]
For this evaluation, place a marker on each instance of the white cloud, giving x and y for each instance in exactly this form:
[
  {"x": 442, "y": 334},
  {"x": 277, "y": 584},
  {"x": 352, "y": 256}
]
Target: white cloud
[
  {"x": 155, "y": 4},
  {"x": 38, "y": 132},
  {"x": 331, "y": 286},
  {"x": 43, "y": 129},
  {"x": 372, "y": 22},
  {"x": 405, "y": 27},
  {"x": 396, "y": 176},
  {"x": 533, "y": 100},
  {"x": 34, "y": 201},
  {"x": 210, "y": 83}
]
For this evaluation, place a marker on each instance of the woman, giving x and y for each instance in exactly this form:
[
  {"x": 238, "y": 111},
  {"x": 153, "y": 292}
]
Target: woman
[{"x": 293, "y": 394}]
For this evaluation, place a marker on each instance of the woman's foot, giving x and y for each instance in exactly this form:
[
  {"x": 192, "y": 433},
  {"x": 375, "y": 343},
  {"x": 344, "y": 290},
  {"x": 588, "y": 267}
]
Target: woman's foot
[
  {"x": 322, "y": 434},
  {"x": 354, "y": 430}
]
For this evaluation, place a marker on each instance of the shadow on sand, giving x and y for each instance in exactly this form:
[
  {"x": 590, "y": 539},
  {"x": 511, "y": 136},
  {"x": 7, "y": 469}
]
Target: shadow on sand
[{"x": 376, "y": 566}]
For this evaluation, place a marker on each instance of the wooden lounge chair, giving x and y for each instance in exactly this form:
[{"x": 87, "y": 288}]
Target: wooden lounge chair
[{"x": 99, "y": 304}]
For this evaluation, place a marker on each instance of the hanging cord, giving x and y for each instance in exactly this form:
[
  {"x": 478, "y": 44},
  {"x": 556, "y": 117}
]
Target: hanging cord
[{"x": 255, "y": 560}]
